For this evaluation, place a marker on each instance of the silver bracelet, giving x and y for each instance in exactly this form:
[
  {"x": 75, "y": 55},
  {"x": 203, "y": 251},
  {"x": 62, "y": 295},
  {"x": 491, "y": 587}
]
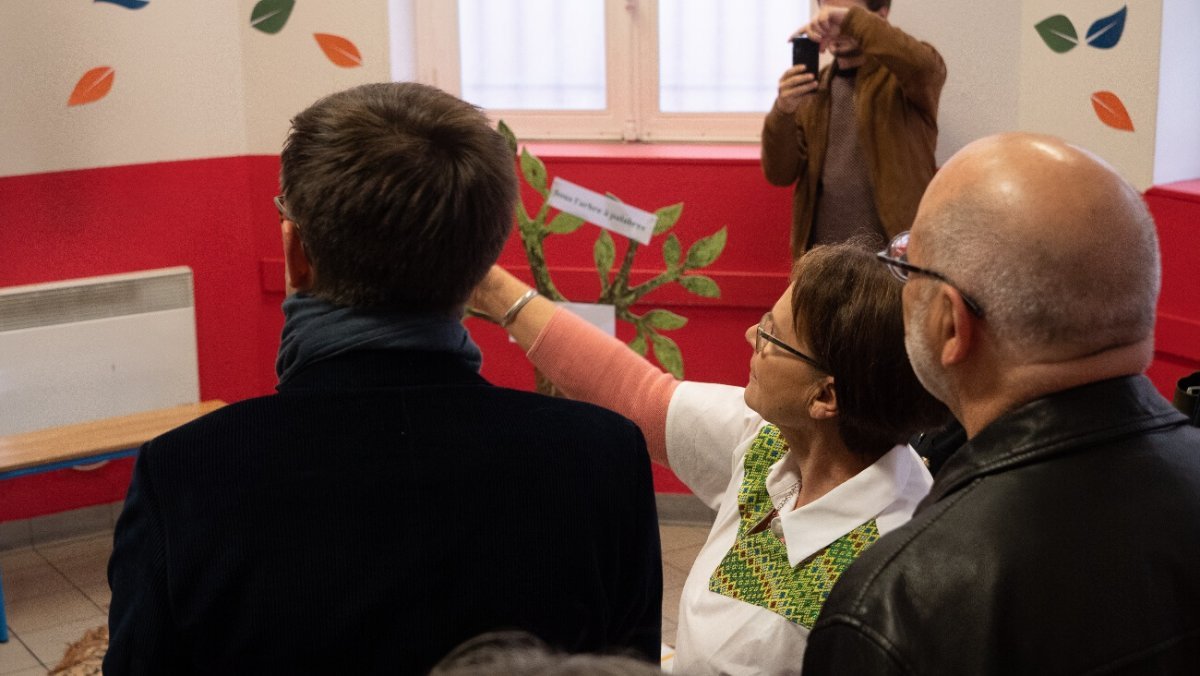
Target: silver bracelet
[{"x": 516, "y": 307}]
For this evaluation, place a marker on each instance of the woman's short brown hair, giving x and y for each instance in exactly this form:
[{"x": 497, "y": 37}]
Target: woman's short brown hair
[
  {"x": 847, "y": 307},
  {"x": 403, "y": 195}
]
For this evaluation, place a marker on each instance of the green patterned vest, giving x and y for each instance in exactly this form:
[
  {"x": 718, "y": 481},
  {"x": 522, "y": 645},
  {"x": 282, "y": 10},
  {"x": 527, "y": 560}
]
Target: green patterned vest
[{"x": 756, "y": 568}]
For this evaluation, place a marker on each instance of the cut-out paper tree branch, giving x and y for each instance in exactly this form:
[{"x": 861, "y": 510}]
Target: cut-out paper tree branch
[{"x": 616, "y": 288}]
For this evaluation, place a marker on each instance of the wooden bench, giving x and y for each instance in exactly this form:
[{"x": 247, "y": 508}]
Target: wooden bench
[{"x": 82, "y": 443}]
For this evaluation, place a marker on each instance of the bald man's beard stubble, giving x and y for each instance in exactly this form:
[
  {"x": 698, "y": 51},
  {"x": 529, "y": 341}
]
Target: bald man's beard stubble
[{"x": 920, "y": 353}]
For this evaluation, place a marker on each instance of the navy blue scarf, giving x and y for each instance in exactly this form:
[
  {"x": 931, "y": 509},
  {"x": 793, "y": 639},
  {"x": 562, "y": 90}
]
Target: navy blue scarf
[{"x": 314, "y": 330}]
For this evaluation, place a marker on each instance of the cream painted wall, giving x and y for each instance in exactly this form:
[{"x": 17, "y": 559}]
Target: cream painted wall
[
  {"x": 286, "y": 72},
  {"x": 1177, "y": 146},
  {"x": 176, "y": 92},
  {"x": 980, "y": 44},
  {"x": 192, "y": 79},
  {"x": 1056, "y": 89}
]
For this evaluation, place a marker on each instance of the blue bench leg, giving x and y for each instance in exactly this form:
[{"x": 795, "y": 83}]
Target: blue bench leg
[{"x": 3, "y": 617}]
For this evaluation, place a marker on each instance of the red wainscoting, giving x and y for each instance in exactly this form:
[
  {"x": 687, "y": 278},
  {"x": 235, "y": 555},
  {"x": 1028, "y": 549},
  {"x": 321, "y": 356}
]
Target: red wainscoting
[
  {"x": 216, "y": 217},
  {"x": 1176, "y": 209}
]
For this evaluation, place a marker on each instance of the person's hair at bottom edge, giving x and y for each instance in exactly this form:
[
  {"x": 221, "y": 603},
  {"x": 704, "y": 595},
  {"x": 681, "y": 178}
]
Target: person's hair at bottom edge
[{"x": 522, "y": 654}]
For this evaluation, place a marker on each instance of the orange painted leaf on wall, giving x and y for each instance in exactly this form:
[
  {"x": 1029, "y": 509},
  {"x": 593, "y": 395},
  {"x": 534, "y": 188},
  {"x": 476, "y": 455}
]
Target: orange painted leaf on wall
[
  {"x": 340, "y": 51},
  {"x": 93, "y": 86},
  {"x": 1111, "y": 111}
]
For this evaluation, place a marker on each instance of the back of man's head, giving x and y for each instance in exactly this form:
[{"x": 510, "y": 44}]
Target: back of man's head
[
  {"x": 402, "y": 195},
  {"x": 1060, "y": 251}
]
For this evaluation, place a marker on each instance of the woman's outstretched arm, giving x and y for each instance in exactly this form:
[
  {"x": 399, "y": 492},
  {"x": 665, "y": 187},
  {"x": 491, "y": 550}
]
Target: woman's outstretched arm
[{"x": 583, "y": 361}]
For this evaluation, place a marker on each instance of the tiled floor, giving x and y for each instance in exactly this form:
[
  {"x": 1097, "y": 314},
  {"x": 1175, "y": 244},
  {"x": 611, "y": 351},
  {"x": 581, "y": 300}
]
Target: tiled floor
[
  {"x": 54, "y": 592},
  {"x": 57, "y": 590}
]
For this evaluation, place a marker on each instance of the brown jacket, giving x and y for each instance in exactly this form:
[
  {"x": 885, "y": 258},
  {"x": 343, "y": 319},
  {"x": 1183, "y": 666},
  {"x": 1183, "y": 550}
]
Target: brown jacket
[{"x": 896, "y": 99}]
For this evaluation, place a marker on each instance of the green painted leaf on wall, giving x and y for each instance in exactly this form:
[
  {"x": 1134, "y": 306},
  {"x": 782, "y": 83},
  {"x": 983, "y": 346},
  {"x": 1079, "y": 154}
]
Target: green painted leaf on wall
[
  {"x": 667, "y": 218},
  {"x": 604, "y": 253},
  {"x": 534, "y": 171},
  {"x": 1106, "y": 33},
  {"x": 270, "y": 16},
  {"x": 1058, "y": 33},
  {"x": 706, "y": 250},
  {"x": 564, "y": 224},
  {"x": 508, "y": 135},
  {"x": 665, "y": 320},
  {"x": 701, "y": 286},
  {"x": 672, "y": 251},
  {"x": 638, "y": 344},
  {"x": 667, "y": 354}
]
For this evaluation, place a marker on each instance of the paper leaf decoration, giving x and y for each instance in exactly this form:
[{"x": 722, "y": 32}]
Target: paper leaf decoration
[
  {"x": 1111, "y": 111},
  {"x": 93, "y": 86},
  {"x": 1058, "y": 33},
  {"x": 340, "y": 51},
  {"x": 270, "y": 16},
  {"x": 1106, "y": 32},
  {"x": 128, "y": 4}
]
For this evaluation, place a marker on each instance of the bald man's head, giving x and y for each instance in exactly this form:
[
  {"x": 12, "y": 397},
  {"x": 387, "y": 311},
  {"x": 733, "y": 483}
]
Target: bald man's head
[{"x": 1060, "y": 251}]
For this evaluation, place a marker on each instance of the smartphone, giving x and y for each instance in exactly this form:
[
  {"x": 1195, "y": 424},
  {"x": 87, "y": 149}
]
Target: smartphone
[{"x": 805, "y": 51}]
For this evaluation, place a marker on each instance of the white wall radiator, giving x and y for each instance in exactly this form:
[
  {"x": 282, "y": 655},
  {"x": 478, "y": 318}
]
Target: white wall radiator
[{"x": 85, "y": 349}]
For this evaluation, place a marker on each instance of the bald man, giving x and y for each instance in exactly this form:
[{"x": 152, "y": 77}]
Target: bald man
[{"x": 1064, "y": 536}]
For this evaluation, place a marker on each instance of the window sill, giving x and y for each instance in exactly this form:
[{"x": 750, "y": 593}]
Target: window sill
[{"x": 699, "y": 153}]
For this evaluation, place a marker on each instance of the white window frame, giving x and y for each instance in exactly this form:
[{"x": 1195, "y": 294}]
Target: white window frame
[{"x": 631, "y": 62}]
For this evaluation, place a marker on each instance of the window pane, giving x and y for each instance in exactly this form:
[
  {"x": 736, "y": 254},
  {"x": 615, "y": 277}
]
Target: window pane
[
  {"x": 721, "y": 56},
  {"x": 532, "y": 54}
]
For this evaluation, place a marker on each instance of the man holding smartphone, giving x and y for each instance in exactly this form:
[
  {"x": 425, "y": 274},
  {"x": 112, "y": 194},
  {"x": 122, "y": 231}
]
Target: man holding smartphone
[{"x": 856, "y": 139}]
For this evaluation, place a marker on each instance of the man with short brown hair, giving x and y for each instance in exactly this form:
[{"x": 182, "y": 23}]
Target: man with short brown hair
[{"x": 387, "y": 503}]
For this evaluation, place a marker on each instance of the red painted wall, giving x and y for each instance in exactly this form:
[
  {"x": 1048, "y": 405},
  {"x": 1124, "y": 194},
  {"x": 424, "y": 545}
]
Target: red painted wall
[
  {"x": 216, "y": 217},
  {"x": 1176, "y": 209}
]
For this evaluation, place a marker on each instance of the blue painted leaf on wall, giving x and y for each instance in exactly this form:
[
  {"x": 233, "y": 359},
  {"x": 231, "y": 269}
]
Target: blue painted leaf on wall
[
  {"x": 1058, "y": 33},
  {"x": 1106, "y": 32},
  {"x": 128, "y": 4},
  {"x": 270, "y": 16}
]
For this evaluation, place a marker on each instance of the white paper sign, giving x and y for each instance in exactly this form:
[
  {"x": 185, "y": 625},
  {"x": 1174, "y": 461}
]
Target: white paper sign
[
  {"x": 602, "y": 210},
  {"x": 601, "y": 315}
]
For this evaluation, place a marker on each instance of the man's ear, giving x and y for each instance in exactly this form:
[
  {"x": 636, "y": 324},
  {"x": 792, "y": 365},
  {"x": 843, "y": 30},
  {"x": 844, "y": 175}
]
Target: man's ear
[
  {"x": 298, "y": 272},
  {"x": 824, "y": 404},
  {"x": 958, "y": 327},
  {"x": 883, "y": 12}
]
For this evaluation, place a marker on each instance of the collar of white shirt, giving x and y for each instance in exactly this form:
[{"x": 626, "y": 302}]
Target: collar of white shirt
[{"x": 898, "y": 476}]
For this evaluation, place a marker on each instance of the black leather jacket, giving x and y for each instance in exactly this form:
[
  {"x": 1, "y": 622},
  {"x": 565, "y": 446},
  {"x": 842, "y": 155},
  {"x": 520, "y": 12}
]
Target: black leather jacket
[{"x": 1063, "y": 538}]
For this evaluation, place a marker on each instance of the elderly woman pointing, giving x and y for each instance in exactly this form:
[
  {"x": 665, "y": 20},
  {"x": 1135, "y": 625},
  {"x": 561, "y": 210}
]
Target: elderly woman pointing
[{"x": 806, "y": 466}]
